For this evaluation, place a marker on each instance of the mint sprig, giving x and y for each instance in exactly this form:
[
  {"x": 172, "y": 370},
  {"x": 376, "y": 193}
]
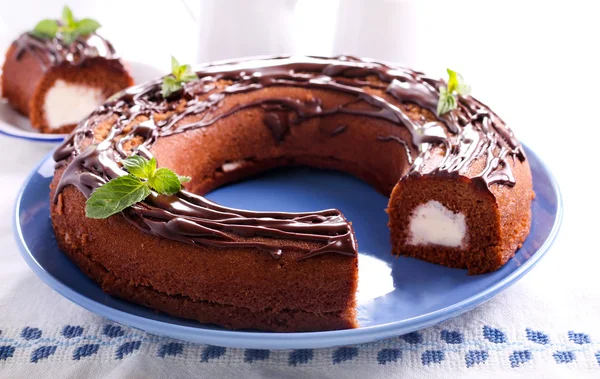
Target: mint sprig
[
  {"x": 115, "y": 196},
  {"x": 448, "y": 95},
  {"x": 68, "y": 30},
  {"x": 124, "y": 191},
  {"x": 179, "y": 74},
  {"x": 45, "y": 29}
]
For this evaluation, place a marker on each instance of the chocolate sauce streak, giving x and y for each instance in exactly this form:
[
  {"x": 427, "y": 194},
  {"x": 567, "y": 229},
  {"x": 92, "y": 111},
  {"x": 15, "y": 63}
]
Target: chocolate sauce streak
[
  {"x": 53, "y": 52},
  {"x": 465, "y": 134}
]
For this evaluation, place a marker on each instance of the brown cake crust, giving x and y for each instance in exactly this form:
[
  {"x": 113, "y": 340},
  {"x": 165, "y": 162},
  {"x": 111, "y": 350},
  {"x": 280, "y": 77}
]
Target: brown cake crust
[
  {"x": 236, "y": 288},
  {"x": 26, "y": 80},
  {"x": 232, "y": 317},
  {"x": 246, "y": 287}
]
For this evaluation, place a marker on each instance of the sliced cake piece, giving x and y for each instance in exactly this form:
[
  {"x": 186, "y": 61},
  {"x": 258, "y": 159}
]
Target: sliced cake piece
[{"x": 60, "y": 72}]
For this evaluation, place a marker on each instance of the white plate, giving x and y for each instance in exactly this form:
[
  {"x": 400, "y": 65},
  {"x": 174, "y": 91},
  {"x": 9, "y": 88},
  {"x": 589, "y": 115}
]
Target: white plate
[{"x": 14, "y": 124}]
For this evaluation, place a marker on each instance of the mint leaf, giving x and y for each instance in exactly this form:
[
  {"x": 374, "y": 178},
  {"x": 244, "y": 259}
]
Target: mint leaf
[
  {"x": 115, "y": 196},
  {"x": 452, "y": 80},
  {"x": 151, "y": 167},
  {"x": 446, "y": 103},
  {"x": 174, "y": 65},
  {"x": 87, "y": 26},
  {"x": 463, "y": 88},
  {"x": 45, "y": 29},
  {"x": 124, "y": 191},
  {"x": 165, "y": 181},
  {"x": 68, "y": 36},
  {"x": 187, "y": 75},
  {"x": 67, "y": 16},
  {"x": 179, "y": 74},
  {"x": 456, "y": 86},
  {"x": 68, "y": 30},
  {"x": 138, "y": 166},
  {"x": 170, "y": 85}
]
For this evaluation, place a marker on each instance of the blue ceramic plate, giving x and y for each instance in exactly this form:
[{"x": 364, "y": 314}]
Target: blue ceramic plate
[
  {"x": 396, "y": 295},
  {"x": 13, "y": 124}
]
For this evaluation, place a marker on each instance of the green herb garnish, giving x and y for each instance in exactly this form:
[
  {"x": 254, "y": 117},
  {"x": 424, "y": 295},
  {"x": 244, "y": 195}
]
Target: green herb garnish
[
  {"x": 68, "y": 30},
  {"x": 45, "y": 29},
  {"x": 456, "y": 86},
  {"x": 124, "y": 191},
  {"x": 179, "y": 74}
]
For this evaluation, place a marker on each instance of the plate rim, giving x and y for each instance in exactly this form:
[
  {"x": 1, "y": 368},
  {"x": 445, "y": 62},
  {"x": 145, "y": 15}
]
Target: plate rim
[
  {"x": 30, "y": 136},
  {"x": 297, "y": 340}
]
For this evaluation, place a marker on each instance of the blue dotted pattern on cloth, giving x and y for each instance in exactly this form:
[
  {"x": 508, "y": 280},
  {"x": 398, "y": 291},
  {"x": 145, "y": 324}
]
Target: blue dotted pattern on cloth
[
  {"x": 113, "y": 331},
  {"x": 494, "y": 335},
  {"x": 125, "y": 342},
  {"x": 6, "y": 352},
  {"x": 564, "y": 356},
  {"x": 127, "y": 348},
  {"x": 42, "y": 353},
  {"x": 212, "y": 352},
  {"x": 344, "y": 354},
  {"x": 301, "y": 356},
  {"x": 475, "y": 357},
  {"x": 388, "y": 355},
  {"x": 85, "y": 351},
  {"x": 537, "y": 337},
  {"x": 452, "y": 337},
  {"x": 579, "y": 338},
  {"x": 517, "y": 358},
  {"x": 413, "y": 338},
  {"x": 72, "y": 331},
  {"x": 253, "y": 355},
  {"x": 31, "y": 333},
  {"x": 172, "y": 349},
  {"x": 432, "y": 356}
]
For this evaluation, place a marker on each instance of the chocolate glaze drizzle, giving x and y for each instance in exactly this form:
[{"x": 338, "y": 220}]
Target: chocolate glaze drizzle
[
  {"x": 465, "y": 134},
  {"x": 53, "y": 52}
]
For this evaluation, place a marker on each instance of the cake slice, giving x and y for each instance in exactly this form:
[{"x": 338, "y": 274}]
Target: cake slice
[
  {"x": 461, "y": 222},
  {"x": 60, "y": 72}
]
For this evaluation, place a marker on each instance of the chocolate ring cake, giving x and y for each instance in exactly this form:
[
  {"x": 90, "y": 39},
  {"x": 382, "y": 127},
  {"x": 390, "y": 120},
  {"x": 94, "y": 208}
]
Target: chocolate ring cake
[
  {"x": 57, "y": 84},
  {"x": 459, "y": 185}
]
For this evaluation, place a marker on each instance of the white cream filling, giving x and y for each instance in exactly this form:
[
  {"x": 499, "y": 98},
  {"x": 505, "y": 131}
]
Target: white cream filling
[
  {"x": 68, "y": 103},
  {"x": 433, "y": 224},
  {"x": 232, "y": 166}
]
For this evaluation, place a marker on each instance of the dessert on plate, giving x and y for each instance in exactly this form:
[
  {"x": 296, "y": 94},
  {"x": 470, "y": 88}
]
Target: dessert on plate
[
  {"x": 60, "y": 72},
  {"x": 127, "y": 204}
]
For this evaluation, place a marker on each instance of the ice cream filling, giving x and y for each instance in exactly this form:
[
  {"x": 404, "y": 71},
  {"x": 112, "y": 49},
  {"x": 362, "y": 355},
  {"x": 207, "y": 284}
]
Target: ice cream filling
[
  {"x": 433, "y": 224},
  {"x": 68, "y": 103}
]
